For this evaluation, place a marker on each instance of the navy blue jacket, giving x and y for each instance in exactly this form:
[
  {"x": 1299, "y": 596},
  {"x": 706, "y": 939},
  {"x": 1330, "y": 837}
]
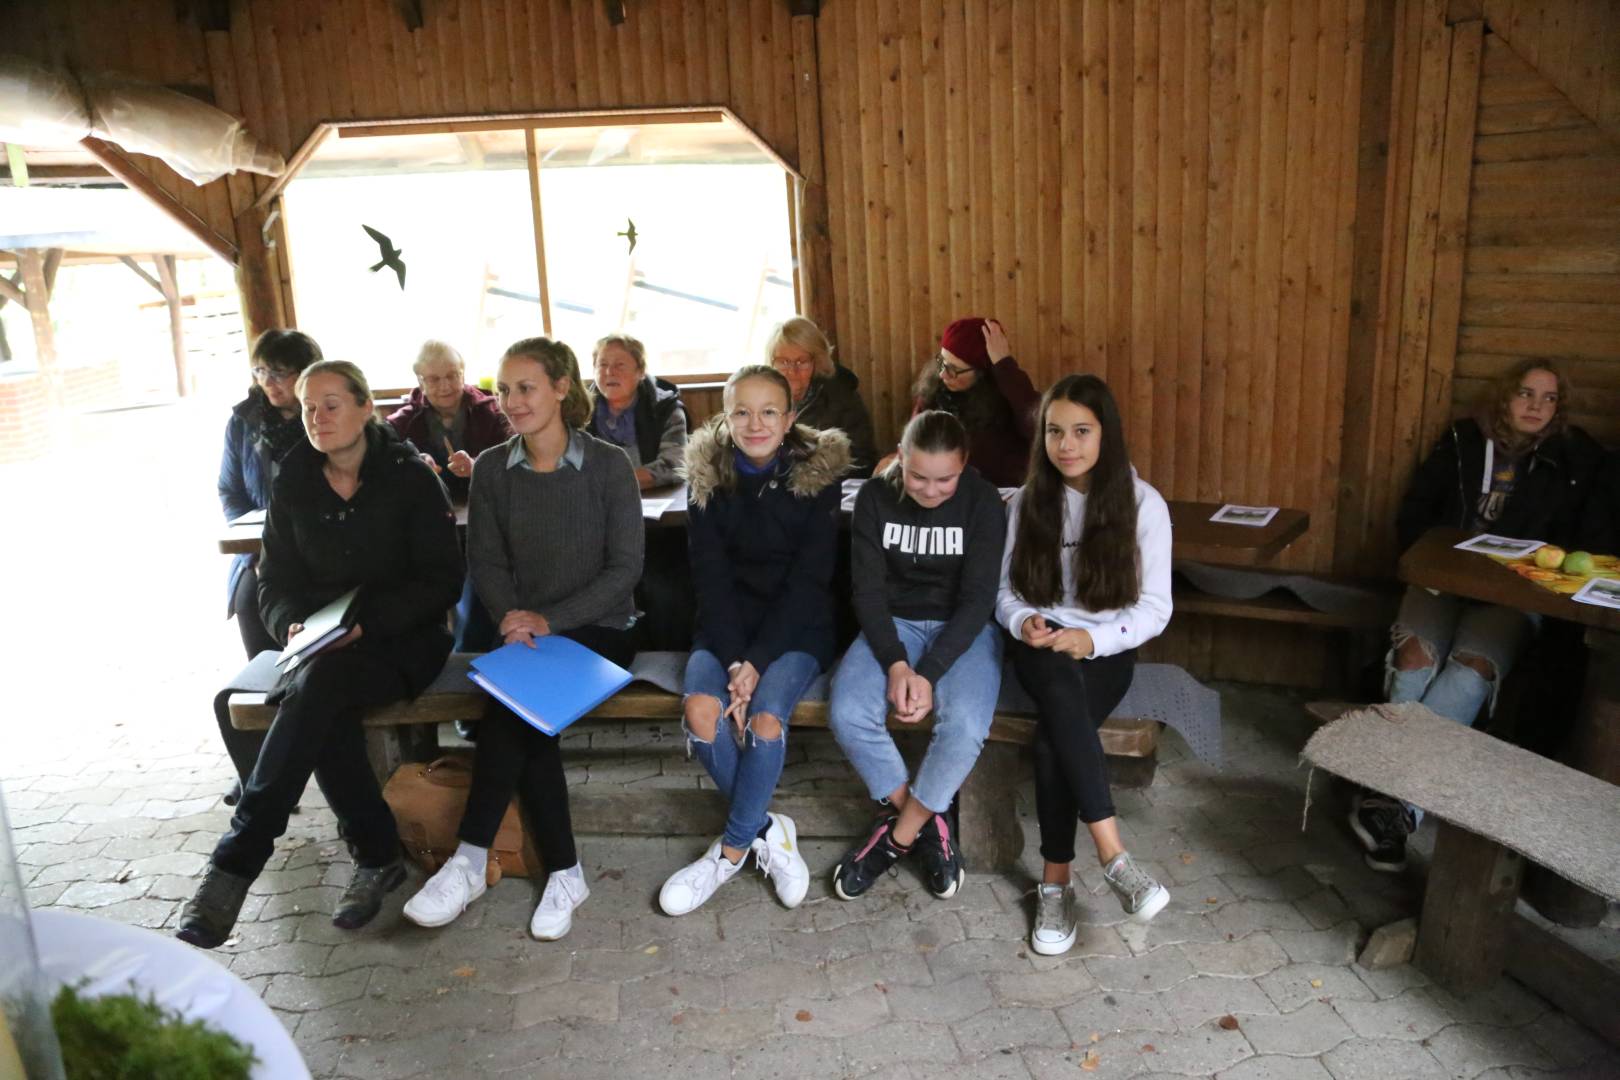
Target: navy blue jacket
[
  {"x": 246, "y": 471},
  {"x": 763, "y": 547}
]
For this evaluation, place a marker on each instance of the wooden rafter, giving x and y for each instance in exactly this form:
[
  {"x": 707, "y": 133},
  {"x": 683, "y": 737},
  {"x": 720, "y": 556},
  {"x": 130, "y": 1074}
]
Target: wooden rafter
[
  {"x": 140, "y": 272},
  {"x": 124, "y": 169},
  {"x": 295, "y": 165}
]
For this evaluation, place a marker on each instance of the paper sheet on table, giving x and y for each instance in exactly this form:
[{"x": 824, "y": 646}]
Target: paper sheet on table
[
  {"x": 653, "y": 509},
  {"x": 252, "y": 517},
  {"x": 1502, "y": 547},
  {"x": 1600, "y": 591},
  {"x": 1252, "y": 516}
]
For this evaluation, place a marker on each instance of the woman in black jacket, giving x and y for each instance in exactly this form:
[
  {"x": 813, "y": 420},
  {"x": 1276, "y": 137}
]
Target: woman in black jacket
[
  {"x": 1518, "y": 469},
  {"x": 826, "y": 394},
  {"x": 762, "y": 523},
  {"x": 352, "y": 508}
]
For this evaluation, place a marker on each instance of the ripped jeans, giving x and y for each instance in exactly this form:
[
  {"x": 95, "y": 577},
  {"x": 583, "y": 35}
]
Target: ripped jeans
[
  {"x": 1451, "y": 627},
  {"x": 746, "y": 768}
]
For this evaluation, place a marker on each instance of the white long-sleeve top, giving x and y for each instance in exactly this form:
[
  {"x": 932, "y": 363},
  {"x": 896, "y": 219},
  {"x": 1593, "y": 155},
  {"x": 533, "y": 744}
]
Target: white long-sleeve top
[{"x": 1111, "y": 631}]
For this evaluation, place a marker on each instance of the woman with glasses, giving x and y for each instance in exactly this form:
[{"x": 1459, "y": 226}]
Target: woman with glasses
[
  {"x": 263, "y": 427},
  {"x": 975, "y": 378},
  {"x": 826, "y": 394},
  {"x": 762, "y": 523},
  {"x": 636, "y": 412},
  {"x": 449, "y": 421}
]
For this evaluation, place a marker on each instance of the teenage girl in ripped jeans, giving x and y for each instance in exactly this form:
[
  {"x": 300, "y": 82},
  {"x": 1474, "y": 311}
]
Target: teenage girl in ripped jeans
[
  {"x": 762, "y": 523},
  {"x": 1085, "y": 580},
  {"x": 1518, "y": 469}
]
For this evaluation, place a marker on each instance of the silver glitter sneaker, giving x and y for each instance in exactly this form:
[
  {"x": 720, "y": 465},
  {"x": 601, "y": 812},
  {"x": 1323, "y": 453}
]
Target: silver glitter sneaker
[
  {"x": 1140, "y": 896},
  {"x": 1057, "y": 920}
]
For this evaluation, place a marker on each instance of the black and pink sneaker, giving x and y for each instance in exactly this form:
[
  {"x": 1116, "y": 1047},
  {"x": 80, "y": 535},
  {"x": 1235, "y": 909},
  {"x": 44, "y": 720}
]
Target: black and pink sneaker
[
  {"x": 940, "y": 857},
  {"x": 867, "y": 861}
]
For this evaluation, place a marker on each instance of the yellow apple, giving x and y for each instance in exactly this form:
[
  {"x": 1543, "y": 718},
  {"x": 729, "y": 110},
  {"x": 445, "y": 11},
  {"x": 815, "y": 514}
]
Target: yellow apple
[{"x": 1549, "y": 557}]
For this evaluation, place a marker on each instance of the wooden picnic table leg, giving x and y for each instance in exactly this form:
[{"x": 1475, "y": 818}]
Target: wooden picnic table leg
[
  {"x": 987, "y": 809},
  {"x": 1596, "y": 752},
  {"x": 1462, "y": 936},
  {"x": 387, "y": 748}
]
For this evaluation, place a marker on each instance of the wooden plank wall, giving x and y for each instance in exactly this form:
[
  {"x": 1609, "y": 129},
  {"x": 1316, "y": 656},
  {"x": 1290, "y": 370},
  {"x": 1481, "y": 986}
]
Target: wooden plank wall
[
  {"x": 1165, "y": 192},
  {"x": 1401, "y": 399},
  {"x": 1574, "y": 44},
  {"x": 1543, "y": 264}
]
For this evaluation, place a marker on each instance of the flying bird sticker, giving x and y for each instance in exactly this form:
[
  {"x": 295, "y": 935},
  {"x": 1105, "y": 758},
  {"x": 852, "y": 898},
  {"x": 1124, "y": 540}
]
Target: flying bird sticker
[
  {"x": 390, "y": 255},
  {"x": 629, "y": 233}
]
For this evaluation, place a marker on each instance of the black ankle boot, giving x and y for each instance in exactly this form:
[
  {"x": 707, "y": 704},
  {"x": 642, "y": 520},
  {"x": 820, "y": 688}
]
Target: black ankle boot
[
  {"x": 209, "y": 917},
  {"x": 363, "y": 898}
]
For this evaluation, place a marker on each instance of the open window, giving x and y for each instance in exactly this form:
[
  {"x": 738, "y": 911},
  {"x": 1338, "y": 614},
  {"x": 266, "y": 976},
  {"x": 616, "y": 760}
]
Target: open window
[{"x": 477, "y": 208}]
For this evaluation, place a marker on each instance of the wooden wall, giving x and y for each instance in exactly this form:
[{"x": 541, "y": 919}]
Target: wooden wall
[
  {"x": 1575, "y": 44},
  {"x": 1543, "y": 264},
  {"x": 1252, "y": 216}
]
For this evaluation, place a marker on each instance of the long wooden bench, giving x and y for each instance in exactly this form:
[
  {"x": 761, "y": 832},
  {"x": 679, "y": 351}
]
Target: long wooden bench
[
  {"x": 1496, "y": 806},
  {"x": 407, "y": 731}
]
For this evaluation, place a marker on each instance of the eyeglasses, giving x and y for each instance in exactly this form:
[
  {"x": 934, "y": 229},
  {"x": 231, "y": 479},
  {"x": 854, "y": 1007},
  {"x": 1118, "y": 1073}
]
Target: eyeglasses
[
  {"x": 948, "y": 368},
  {"x": 782, "y": 363},
  {"x": 274, "y": 375},
  {"x": 439, "y": 380},
  {"x": 769, "y": 416}
]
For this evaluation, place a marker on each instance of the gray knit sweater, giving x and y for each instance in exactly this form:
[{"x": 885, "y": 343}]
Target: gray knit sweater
[{"x": 565, "y": 544}]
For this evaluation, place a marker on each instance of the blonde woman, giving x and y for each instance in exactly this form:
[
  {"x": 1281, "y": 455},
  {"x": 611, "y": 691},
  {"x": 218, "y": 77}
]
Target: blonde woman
[{"x": 825, "y": 393}]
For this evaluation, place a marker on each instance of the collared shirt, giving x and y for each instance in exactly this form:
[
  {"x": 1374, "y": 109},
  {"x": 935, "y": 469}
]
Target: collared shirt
[{"x": 574, "y": 456}]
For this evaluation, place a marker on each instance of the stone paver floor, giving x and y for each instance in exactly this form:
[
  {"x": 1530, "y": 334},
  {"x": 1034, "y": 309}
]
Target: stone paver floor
[{"x": 1248, "y": 975}]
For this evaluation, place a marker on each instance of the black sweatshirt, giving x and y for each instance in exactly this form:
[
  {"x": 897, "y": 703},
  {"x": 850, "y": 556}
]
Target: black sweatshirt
[
  {"x": 939, "y": 565},
  {"x": 395, "y": 539}
]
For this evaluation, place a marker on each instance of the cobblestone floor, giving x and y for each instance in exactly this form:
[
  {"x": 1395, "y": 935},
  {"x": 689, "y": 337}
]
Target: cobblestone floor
[{"x": 1248, "y": 975}]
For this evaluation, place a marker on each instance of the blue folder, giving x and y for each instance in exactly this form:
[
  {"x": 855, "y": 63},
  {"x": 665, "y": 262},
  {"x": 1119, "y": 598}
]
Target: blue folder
[{"x": 550, "y": 685}]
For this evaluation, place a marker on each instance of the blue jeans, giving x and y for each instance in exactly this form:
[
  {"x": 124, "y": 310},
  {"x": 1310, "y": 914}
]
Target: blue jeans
[
  {"x": 1449, "y": 627},
  {"x": 746, "y": 770},
  {"x": 964, "y": 704}
]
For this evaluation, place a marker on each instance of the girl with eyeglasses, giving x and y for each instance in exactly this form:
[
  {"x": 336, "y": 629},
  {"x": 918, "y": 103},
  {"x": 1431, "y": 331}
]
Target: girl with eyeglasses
[
  {"x": 976, "y": 379},
  {"x": 762, "y": 524}
]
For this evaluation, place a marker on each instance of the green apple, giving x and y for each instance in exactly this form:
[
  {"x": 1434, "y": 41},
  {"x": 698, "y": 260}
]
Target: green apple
[
  {"x": 1578, "y": 562},
  {"x": 1549, "y": 557}
]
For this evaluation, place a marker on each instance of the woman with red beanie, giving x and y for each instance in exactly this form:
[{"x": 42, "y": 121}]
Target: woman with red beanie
[{"x": 975, "y": 378}]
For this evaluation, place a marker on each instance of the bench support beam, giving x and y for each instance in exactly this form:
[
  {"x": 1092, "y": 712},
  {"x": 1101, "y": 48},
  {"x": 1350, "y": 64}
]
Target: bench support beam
[{"x": 1467, "y": 906}]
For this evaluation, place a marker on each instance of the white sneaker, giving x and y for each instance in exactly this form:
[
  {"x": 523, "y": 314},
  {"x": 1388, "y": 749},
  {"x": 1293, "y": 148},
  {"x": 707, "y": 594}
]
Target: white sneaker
[
  {"x": 777, "y": 854},
  {"x": 690, "y": 887},
  {"x": 565, "y": 891},
  {"x": 446, "y": 894}
]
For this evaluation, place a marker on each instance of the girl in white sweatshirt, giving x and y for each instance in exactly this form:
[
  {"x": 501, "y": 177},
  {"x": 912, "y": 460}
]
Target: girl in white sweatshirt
[{"x": 1085, "y": 579}]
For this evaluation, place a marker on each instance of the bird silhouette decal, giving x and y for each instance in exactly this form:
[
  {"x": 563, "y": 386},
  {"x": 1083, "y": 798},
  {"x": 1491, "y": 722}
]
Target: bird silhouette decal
[
  {"x": 629, "y": 233},
  {"x": 390, "y": 255}
]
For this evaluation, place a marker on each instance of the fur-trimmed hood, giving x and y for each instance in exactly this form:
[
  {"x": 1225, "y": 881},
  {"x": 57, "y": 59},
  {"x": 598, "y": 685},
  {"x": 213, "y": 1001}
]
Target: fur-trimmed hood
[{"x": 813, "y": 459}]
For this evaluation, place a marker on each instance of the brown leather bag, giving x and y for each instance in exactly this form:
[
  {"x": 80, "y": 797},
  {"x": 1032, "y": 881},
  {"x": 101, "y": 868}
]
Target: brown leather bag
[{"x": 428, "y": 801}]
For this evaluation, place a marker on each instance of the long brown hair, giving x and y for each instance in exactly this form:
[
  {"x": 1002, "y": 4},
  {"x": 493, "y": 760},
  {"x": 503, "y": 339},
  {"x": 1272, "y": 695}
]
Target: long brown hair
[
  {"x": 1107, "y": 566},
  {"x": 1494, "y": 408},
  {"x": 559, "y": 362}
]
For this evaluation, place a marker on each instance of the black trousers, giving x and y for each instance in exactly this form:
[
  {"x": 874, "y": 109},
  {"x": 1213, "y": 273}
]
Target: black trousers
[
  {"x": 245, "y": 602},
  {"x": 1073, "y": 698},
  {"x": 512, "y": 756},
  {"x": 317, "y": 732}
]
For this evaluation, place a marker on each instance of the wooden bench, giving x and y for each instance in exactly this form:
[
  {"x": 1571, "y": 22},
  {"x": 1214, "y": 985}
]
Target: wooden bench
[
  {"x": 407, "y": 731},
  {"x": 1496, "y": 805}
]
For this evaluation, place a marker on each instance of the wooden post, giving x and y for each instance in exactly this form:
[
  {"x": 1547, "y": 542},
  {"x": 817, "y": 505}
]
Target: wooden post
[
  {"x": 987, "y": 808},
  {"x": 1580, "y": 985},
  {"x": 170, "y": 281},
  {"x": 38, "y": 302},
  {"x": 812, "y": 241},
  {"x": 539, "y": 229},
  {"x": 1462, "y": 936},
  {"x": 256, "y": 275}
]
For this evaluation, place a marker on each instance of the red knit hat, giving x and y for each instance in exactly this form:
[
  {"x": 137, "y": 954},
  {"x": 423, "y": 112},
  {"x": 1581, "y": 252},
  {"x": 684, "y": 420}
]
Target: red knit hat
[{"x": 965, "y": 340}]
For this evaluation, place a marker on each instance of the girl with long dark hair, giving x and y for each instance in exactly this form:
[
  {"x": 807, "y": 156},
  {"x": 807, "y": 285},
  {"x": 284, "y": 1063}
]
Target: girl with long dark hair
[{"x": 1084, "y": 581}]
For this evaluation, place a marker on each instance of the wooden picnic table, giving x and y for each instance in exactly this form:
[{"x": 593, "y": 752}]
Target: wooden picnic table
[
  {"x": 1196, "y": 537},
  {"x": 1434, "y": 563}
]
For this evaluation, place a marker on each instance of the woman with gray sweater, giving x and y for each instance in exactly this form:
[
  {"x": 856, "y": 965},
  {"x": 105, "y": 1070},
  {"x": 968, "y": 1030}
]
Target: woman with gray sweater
[{"x": 554, "y": 544}]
